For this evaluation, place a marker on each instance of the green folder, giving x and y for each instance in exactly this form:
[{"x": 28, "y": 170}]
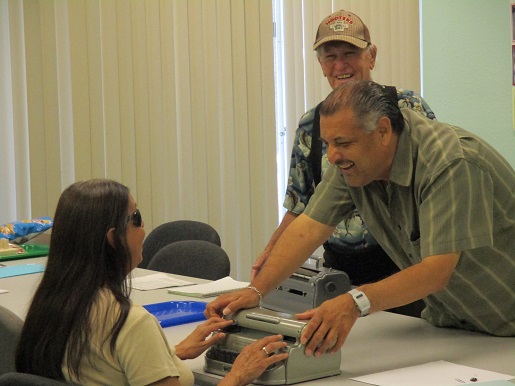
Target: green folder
[{"x": 31, "y": 250}]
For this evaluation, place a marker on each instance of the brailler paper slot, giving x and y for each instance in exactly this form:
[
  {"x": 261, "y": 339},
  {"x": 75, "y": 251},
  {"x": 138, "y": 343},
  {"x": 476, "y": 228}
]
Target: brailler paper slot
[{"x": 177, "y": 312}]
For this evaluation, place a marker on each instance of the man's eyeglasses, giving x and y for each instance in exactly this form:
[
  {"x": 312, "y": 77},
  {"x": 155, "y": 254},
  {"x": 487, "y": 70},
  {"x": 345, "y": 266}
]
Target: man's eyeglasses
[{"x": 135, "y": 218}]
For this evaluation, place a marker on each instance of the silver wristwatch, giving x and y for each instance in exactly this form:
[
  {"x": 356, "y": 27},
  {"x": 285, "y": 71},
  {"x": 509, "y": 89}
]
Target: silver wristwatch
[{"x": 361, "y": 301}]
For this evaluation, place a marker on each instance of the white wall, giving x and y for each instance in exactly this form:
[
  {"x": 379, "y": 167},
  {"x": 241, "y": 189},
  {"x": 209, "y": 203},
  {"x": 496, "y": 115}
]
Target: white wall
[{"x": 467, "y": 69}]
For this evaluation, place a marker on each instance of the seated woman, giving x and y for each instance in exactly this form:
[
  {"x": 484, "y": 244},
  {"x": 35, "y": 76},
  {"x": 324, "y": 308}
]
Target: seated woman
[{"x": 82, "y": 326}]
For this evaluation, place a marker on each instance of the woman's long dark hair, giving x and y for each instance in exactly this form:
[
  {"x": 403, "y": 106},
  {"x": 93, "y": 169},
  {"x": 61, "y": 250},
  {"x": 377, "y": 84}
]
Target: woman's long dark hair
[{"x": 81, "y": 261}]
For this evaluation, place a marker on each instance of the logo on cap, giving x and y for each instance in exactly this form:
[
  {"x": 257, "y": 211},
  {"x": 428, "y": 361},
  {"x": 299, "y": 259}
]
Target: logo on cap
[{"x": 339, "y": 26}]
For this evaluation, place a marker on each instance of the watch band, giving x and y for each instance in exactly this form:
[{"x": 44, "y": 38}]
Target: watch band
[{"x": 361, "y": 301}]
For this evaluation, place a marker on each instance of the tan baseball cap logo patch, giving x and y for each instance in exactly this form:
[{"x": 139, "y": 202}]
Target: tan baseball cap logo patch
[{"x": 339, "y": 26}]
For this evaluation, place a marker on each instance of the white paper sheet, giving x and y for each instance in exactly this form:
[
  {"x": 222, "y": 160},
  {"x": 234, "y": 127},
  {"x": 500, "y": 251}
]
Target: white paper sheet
[
  {"x": 156, "y": 281},
  {"x": 211, "y": 289},
  {"x": 440, "y": 373}
]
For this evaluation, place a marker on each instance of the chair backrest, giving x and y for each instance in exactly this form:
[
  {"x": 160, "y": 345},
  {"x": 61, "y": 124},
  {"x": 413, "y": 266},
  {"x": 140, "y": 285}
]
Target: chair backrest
[
  {"x": 23, "y": 379},
  {"x": 195, "y": 258},
  {"x": 10, "y": 331},
  {"x": 174, "y": 231}
]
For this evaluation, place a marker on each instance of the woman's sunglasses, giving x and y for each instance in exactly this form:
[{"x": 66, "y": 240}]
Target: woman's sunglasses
[{"x": 135, "y": 218}]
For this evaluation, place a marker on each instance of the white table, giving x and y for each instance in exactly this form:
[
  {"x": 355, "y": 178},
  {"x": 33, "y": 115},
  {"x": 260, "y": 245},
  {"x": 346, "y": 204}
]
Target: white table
[{"x": 379, "y": 342}]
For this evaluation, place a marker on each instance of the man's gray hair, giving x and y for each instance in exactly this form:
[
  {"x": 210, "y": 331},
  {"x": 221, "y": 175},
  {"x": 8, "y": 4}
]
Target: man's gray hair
[{"x": 368, "y": 100}]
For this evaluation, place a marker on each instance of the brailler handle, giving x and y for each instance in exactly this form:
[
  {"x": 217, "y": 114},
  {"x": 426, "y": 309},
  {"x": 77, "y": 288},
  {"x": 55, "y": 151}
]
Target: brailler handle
[{"x": 263, "y": 318}]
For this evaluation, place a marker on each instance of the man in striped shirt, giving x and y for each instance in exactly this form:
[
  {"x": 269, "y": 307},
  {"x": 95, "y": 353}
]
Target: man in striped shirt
[{"x": 438, "y": 199}]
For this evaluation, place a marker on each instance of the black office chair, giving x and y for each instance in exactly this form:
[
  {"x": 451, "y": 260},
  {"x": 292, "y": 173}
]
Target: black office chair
[
  {"x": 174, "y": 231},
  {"x": 23, "y": 379},
  {"x": 195, "y": 258},
  {"x": 10, "y": 330}
]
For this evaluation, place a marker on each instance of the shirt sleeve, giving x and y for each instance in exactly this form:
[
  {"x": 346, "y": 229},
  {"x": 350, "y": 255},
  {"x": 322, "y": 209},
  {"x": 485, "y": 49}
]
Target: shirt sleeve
[
  {"x": 143, "y": 351},
  {"x": 331, "y": 202},
  {"x": 301, "y": 183},
  {"x": 412, "y": 100}
]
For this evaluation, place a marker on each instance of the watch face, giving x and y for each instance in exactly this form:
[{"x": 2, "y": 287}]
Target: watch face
[{"x": 361, "y": 301}]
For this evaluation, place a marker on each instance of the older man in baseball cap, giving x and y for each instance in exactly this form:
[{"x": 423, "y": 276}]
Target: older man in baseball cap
[{"x": 345, "y": 51}]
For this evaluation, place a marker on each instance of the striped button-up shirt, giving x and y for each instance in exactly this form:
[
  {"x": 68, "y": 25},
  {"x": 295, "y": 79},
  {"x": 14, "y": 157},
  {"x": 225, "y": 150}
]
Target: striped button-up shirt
[{"x": 449, "y": 191}]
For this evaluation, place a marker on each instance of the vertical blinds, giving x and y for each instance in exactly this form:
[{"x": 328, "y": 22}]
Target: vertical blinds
[{"x": 175, "y": 99}]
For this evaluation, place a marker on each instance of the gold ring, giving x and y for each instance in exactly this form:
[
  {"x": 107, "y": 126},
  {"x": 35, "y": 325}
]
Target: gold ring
[{"x": 266, "y": 352}]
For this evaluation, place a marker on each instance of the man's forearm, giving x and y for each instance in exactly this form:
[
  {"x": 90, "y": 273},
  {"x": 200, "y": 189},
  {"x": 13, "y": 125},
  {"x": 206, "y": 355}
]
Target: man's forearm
[
  {"x": 260, "y": 260},
  {"x": 411, "y": 284},
  {"x": 286, "y": 221}
]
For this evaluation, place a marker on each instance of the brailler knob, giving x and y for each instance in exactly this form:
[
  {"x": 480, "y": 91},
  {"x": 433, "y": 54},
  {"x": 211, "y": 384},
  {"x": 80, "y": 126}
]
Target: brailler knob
[{"x": 330, "y": 287}]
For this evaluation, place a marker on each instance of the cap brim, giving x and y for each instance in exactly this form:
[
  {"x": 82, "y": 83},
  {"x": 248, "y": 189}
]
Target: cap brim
[{"x": 342, "y": 38}]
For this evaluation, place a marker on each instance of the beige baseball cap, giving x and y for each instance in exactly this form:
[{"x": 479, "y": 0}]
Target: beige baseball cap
[{"x": 343, "y": 26}]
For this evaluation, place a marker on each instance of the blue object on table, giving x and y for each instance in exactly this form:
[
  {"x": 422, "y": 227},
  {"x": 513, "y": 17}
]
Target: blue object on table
[
  {"x": 177, "y": 312},
  {"x": 17, "y": 270}
]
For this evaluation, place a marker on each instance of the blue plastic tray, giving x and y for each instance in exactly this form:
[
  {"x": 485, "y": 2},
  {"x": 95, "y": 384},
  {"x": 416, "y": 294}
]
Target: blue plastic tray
[{"x": 177, "y": 312}]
